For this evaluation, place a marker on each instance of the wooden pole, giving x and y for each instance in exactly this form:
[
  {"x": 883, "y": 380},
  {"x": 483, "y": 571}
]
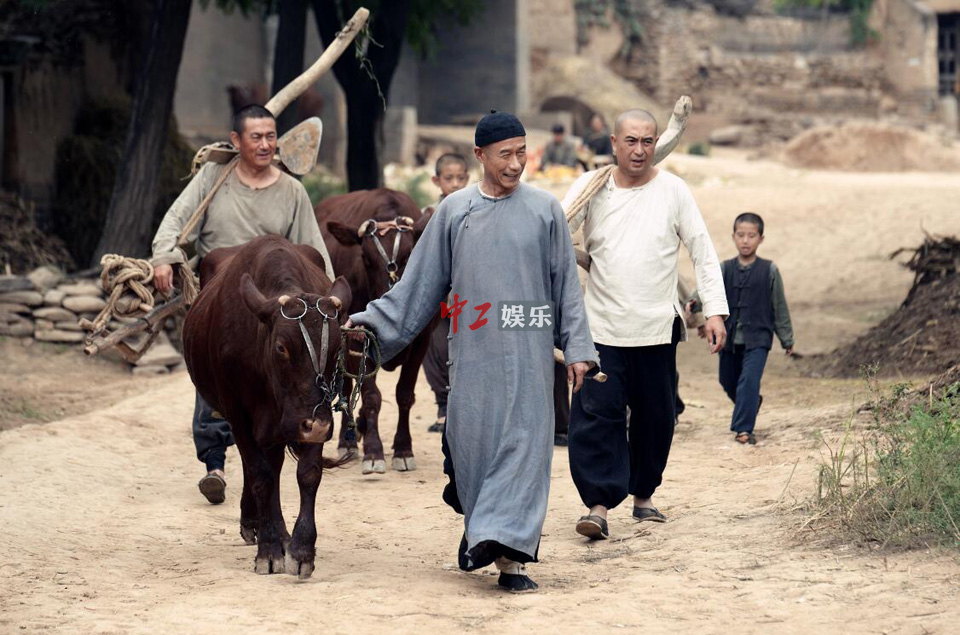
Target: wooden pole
[{"x": 330, "y": 55}]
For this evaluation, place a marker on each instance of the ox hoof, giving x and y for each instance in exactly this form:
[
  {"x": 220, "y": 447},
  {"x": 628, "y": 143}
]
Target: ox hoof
[
  {"x": 249, "y": 534},
  {"x": 265, "y": 565},
  {"x": 376, "y": 466},
  {"x": 302, "y": 570},
  {"x": 404, "y": 463},
  {"x": 346, "y": 453}
]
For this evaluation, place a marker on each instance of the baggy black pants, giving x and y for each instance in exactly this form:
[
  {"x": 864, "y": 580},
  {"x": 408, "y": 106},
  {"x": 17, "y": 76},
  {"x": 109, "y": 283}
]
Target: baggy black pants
[
  {"x": 561, "y": 399},
  {"x": 435, "y": 365},
  {"x": 607, "y": 465}
]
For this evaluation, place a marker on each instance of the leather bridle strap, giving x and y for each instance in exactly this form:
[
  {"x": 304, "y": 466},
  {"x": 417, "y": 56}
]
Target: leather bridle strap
[
  {"x": 319, "y": 362},
  {"x": 381, "y": 228}
]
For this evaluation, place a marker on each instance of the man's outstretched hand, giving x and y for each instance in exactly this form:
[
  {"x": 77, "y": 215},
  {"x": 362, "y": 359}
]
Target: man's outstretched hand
[
  {"x": 715, "y": 332},
  {"x": 575, "y": 374},
  {"x": 354, "y": 335},
  {"x": 163, "y": 278}
]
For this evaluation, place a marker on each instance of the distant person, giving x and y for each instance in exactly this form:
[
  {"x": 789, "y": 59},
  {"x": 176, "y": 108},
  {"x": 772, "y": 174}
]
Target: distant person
[
  {"x": 758, "y": 309},
  {"x": 560, "y": 151},
  {"x": 598, "y": 140},
  {"x": 451, "y": 175}
]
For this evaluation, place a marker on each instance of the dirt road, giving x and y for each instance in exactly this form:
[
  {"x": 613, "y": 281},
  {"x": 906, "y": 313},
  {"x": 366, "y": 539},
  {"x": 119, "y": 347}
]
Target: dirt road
[{"x": 102, "y": 529}]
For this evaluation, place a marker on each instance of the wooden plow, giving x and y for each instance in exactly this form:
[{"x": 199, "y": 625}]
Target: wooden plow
[{"x": 128, "y": 281}]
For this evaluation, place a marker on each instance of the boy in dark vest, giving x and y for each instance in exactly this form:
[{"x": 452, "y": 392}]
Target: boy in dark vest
[{"x": 758, "y": 308}]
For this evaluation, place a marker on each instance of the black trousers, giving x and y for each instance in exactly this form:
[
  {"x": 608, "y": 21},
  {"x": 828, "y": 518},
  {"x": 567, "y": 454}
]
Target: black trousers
[
  {"x": 561, "y": 399},
  {"x": 435, "y": 364},
  {"x": 211, "y": 435},
  {"x": 605, "y": 462}
]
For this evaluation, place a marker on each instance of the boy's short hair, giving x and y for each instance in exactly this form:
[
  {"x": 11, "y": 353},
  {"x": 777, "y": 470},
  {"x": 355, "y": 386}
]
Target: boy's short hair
[
  {"x": 749, "y": 217},
  {"x": 252, "y": 111},
  {"x": 448, "y": 159}
]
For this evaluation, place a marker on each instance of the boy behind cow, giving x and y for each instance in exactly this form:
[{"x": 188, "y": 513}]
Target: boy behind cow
[
  {"x": 451, "y": 175},
  {"x": 758, "y": 309}
]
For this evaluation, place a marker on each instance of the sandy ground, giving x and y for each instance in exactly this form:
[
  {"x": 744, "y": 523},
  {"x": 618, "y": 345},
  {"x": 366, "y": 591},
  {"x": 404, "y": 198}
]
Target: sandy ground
[{"x": 103, "y": 530}]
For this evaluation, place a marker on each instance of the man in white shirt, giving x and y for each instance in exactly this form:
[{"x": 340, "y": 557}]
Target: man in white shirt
[{"x": 632, "y": 232}]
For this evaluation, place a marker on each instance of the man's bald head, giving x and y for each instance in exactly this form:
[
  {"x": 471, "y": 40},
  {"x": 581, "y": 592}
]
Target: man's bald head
[{"x": 637, "y": 114}]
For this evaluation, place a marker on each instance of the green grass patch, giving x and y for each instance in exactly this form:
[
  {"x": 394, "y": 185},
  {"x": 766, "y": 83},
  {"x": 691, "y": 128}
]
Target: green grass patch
[{"x": 898, "y": 482}]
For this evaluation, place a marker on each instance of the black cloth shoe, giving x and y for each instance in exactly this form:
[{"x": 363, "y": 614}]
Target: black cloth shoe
[
  {"x": 517, "y": 583},
  {"x": 649, "y": 513},
  {"x": 593, "y": 527},
  {"x": 213, "y": 487}
]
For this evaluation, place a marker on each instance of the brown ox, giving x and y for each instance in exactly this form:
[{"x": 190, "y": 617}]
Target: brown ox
[
  {"x": 250, "y": 360},
  {"x": 354, "y": 225}
]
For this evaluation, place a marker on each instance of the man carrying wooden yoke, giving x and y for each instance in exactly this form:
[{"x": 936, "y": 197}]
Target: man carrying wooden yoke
[
  {"x": 634, "y": 226},
  {"x": 254, "y": 199}
]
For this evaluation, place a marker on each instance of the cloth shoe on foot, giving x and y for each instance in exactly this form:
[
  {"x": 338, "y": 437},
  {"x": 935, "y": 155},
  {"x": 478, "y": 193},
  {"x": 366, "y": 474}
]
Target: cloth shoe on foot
[
  {"x": 513, "y": 577},
  {"x": 593, "y": 527},
  {"x": 214, "y": 487},
  {"x": 649, "y": 513}
]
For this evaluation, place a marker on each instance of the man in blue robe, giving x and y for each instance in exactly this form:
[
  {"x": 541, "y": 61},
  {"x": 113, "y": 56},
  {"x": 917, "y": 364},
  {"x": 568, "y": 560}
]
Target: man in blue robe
[{"x": 494, "y": 247}]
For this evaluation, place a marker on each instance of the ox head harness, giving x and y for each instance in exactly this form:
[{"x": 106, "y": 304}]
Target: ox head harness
[
  {"x": 319, "y": 362},
  {"x": 331, "y": 393},
  {"x": 371, "y": 228}
]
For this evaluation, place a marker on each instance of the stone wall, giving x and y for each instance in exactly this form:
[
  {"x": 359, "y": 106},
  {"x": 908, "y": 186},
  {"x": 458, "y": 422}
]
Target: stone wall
[
  {"x": 553, "y": 28},
  {"x": 908, "y": 51},
  {"x": 48, "y": 306}
]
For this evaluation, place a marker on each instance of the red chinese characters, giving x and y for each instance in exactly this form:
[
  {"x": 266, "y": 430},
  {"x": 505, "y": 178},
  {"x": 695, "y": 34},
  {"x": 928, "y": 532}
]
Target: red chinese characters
[{"x": 455, "y": 309}]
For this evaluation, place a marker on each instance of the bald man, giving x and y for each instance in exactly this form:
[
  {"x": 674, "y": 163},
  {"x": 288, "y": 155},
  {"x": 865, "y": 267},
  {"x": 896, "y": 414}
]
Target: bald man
[{"x": 633, "y": 230}]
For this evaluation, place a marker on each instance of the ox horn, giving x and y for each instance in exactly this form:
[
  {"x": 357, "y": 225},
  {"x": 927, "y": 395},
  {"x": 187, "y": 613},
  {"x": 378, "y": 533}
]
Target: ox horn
[
  {"x": 283, "y": 300},
  {"x": 405, "y": 220},
  {"x": 368, "y": 227},
  {"x": 336, "y": 302}
]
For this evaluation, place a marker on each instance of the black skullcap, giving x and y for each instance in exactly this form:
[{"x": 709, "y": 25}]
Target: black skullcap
[
  {"x": 557, "y": 128},
  {"x": 497, "y": 126}
]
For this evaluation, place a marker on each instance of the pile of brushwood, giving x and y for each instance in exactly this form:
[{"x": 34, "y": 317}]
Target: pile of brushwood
[
  {"x": 23, "y": 247},
  {"x": 923, "y": 335}
]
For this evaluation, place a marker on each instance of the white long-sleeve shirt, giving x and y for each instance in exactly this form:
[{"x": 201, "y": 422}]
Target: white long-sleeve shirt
[{"x": 633, "y": 236}]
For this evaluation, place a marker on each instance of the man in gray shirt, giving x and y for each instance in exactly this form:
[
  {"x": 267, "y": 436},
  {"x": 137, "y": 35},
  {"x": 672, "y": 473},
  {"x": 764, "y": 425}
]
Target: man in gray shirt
[
  {"x": 560, "y": 151},
  {"x": 256, "y": 199}
]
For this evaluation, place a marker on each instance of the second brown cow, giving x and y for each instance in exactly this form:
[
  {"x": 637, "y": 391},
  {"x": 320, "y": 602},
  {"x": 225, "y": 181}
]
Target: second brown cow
[{"x": 370, "y": 235}]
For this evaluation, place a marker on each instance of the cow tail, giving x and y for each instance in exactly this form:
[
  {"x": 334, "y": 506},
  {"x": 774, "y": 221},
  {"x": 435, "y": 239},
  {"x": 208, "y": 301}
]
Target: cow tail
[{"x": 296, "y": 449}]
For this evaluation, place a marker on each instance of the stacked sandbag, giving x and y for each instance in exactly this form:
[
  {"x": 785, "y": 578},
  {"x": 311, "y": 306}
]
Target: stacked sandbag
[{"x": 47, "y": 306}]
